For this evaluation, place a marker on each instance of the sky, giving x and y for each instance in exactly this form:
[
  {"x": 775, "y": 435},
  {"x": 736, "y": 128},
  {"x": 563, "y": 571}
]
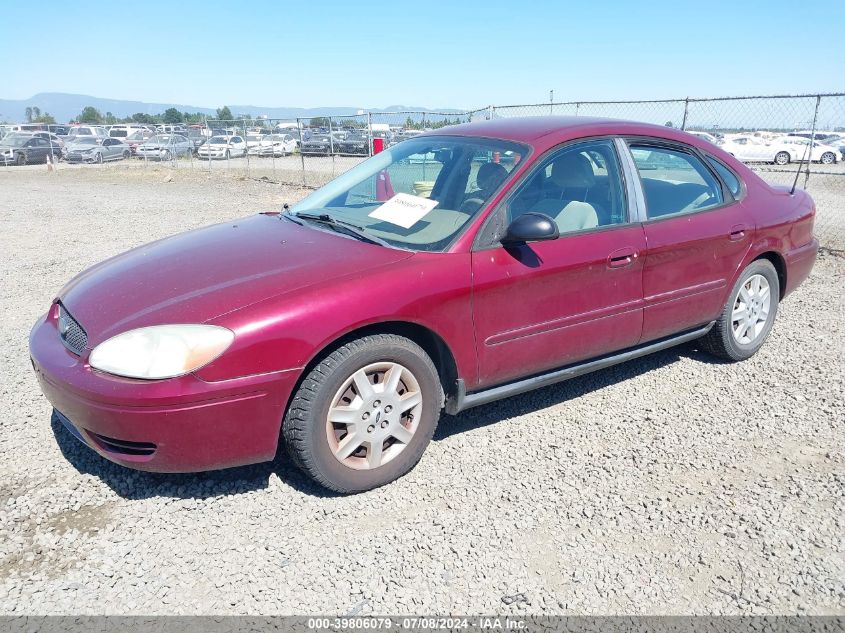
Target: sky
[{"x": 456, "y": 54}]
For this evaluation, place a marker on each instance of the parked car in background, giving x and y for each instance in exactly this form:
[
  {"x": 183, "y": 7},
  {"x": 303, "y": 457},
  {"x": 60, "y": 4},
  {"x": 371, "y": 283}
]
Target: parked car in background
[
  {"x": 94, "y": 131},
  {"x": 87, "y": 149},
  {"x": 318, "y": 144},
  {"x": 706, "y": 136},
  {"x": 137, "y": 138},
  {"x": 223, "y": 147},
  {"x": 344, "y": 325},
  {"x": 54, "y": 139},
  {"x": 356, "y": 144},
  {"x": 253, "y": 140},
  {"x": 20, "y": 148},
  {"x": 277, "y": 145},
  {"x": 122, "y": 131},
  {"x": 798, "y": 148},
  {"x": 165, "y": 147},
  {"x": 196, "y": 136}
]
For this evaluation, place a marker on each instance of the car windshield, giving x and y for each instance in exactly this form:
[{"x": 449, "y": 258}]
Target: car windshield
[
  {"x": 85, "y": 140},
  {"x": 253, "y": 138},
  {"x": 16, "y": 140},
  {"x": 162, "y": 138},
  {"x": 420, "y": 194},
  {"x": 218, "y": 140}
]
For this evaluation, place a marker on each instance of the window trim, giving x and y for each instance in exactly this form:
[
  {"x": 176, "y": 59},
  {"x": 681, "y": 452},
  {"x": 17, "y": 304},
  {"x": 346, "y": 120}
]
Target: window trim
[
  {"x": 728, "y": 198},
  {"x": 743, "y": 190},
  {"x": 482, "y": 242}
]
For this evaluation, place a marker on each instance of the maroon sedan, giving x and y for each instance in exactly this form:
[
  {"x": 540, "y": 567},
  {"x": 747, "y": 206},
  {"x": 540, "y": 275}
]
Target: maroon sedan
[{"x": 452, "y": 269}]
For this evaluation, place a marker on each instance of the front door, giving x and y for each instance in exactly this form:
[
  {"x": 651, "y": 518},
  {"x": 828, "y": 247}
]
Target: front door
[{"x": 543, "y": 305}]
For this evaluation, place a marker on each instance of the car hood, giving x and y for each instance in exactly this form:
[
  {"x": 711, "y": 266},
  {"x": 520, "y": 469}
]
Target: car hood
[{"x": 202, "y": 274}]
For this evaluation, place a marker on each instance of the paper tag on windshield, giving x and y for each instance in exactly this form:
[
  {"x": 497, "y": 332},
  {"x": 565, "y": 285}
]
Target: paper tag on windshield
[{"x": 404, "y": 210}]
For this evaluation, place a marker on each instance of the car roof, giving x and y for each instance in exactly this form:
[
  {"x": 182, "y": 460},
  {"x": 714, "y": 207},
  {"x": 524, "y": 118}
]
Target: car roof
[{"x": 546, "y": 130}]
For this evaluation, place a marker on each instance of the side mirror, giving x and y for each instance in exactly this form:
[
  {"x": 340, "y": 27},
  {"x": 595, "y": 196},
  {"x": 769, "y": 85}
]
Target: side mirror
[{"x": 531, "y": 227}]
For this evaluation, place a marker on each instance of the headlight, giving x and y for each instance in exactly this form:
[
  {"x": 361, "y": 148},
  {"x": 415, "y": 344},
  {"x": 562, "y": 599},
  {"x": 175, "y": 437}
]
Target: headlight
[{"x": 161, "y": 351}]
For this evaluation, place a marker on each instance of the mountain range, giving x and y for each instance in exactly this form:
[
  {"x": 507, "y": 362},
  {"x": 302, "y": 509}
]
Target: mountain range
[{"x": 66, "y": 107}]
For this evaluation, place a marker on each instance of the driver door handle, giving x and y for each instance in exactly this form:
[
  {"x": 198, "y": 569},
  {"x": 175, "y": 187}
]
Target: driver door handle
[{"x": 737, "y": 232}]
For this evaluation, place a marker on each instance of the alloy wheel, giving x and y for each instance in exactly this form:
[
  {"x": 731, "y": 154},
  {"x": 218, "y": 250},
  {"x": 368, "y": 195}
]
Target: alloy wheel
[
  {"x": 751, "y": 309},
  {"x": 374, "y": 415},
  {"x": 828, "y": 158},
  {"x": 781, "y": 158}
]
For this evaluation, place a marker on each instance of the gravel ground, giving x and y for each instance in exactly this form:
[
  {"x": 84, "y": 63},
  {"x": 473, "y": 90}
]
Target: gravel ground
[{"x": 669, "y": 485}]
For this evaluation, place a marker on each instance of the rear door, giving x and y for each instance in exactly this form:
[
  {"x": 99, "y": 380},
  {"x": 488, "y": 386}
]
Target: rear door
[
  {"x": 543, "y": 305},
  {"x": 697, "y": 234}
]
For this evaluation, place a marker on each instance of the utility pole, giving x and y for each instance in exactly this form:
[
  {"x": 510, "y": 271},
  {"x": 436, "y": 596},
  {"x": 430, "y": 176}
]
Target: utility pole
[{"x": 551, "y": 100}]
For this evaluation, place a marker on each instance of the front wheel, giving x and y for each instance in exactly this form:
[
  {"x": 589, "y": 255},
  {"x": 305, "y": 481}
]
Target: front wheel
[
  {"x": 99, "y": 158},
  {"x": 748, "y": 316},
  {"x": 167, "y": 155},
  {"x": 782, "y": 158},
  {"x": 21, "y": 159},
  {"x": 228, "y": 154},
  {"x": 126, "y": 154},
  {"x": 364, "y": 415},
  {"x": 828, "y": 158}
]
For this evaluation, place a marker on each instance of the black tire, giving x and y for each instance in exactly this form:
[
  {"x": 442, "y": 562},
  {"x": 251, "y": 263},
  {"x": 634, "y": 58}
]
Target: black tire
[
  {"x": 720, "y": 341},
  {"x": 127, "y": 154},
  {"x": 21, "y": 159},
  {"x": 304, "y": 427},
  {"x": 782, "y": 158}
]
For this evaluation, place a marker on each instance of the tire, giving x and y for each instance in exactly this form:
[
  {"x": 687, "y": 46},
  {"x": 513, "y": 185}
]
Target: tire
[
  {"x": 99, "y": 158},
  {"x": 228, "y": 154},
  {"x": 126, "y": 154},
  {"x": 828, "y": 158},
  {"x": 723, "y": 340},
  {"x": 167, "y": 155},
  {"x": 782, "y": 158},
  {"x": 21, "y": 159},
  {"x": 312, "y": 440}
]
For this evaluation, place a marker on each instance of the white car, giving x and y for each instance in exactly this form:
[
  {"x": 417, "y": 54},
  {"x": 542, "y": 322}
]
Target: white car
[
  {"x": 80, "y": 131},
  {"x": 705, "y": 136},
  {"x": 781, "y": 151},
  {"x": 273, "y": 145},
  {"x": 223, "y": 147}
]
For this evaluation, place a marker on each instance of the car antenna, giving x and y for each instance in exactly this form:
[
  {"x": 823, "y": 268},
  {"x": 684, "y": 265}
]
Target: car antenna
[{"x": 809, "y": 149}]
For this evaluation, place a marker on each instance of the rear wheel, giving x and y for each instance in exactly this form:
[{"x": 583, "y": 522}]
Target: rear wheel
[
  {"x": 126, "y": 154},
  {"x": 748, "y": 316},
  {"x": 365, "y": 414},
  {"x": 828, "y": 158},
  {"x": 782, "y": 158},
  {"x": 21, "y": 159}
]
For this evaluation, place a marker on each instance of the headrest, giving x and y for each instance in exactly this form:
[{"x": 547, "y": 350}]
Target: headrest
[
  {"x": 490, "y": 176},
  {"x": 573, "y": 170}
]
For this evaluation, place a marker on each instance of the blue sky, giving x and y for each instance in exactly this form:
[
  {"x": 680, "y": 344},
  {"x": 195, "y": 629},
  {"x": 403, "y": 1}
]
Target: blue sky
[{"x": 376, "y": 53}]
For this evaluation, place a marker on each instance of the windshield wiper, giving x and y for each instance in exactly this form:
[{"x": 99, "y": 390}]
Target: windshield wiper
[{"x": 349, "y": 228}]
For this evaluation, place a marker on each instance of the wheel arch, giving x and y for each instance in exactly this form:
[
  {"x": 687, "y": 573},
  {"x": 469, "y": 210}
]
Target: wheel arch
[
  {"x": 779, "y": 263},
  {"x": 430, "y": 341}
]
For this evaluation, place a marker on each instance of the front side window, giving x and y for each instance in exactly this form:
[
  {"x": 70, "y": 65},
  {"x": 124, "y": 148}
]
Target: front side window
[
  {"x": 579, "y": 187},
  {"x": 674, "y": 181},
  {"x": 421, "y": 193}
]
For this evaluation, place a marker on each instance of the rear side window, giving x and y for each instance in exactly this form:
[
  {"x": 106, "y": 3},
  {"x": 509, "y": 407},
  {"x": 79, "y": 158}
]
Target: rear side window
[
  {"x": 674, "y": 181},
  {"x": 728, "y": 177}
]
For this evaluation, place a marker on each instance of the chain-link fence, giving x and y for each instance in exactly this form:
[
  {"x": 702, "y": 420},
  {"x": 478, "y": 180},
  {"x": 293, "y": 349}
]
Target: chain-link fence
[{"x": 311, "y": 151}]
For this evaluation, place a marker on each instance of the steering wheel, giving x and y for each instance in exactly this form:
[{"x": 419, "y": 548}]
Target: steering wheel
[{"x": 471, "y": 205}]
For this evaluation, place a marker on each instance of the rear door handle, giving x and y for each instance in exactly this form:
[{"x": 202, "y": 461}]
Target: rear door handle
[
  {"x": 737, "y": 232},
  {"x": 622, "y": 257}
]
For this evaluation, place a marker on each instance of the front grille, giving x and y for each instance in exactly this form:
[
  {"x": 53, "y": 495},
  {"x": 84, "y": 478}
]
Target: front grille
[
  {"x": 72, "y": 334},
  {"x": 123, "y": 447}
]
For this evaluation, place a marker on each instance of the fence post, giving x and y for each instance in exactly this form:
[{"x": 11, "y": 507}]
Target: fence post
[
  {"x": 686, "y": 111},
  {"x": 490, "y": 113},
  {"x": 577, "y": 107},
  {"x": 301, "y": 155},
  {"x": 369, "y": 133}
]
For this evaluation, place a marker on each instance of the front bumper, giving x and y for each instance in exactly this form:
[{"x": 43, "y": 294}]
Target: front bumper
[{"x": 182, "y": 424}]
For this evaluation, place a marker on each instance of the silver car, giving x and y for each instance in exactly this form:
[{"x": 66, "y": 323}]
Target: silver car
[
  {"x": 88, "y": 149},
  {"x": 165, "y": 147}
]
